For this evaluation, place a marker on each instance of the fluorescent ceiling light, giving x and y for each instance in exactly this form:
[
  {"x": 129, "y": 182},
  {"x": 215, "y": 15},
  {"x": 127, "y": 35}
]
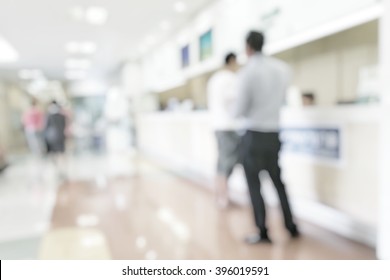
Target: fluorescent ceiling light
[
  {"x": 88, "y": 47},
  {"x": 180, "y": 7},
  {"x": 96, "y": 15},
  {"x": 30, "y": 74},
  {"x": 75, "y": 75},
  {"x": 77, "y": 63},
  {"x": 8, "y": 53},
  {"x": 81, "y": 47}
]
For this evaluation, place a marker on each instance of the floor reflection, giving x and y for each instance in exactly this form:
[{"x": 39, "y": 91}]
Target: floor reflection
[{"x": 124, "y": 207}]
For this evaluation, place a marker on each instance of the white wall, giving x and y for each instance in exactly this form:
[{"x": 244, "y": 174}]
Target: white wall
[
  {"x": 383, "y": 246},
  {"x": 132, "y": 79},
  {"x": 230, "y": 21}
]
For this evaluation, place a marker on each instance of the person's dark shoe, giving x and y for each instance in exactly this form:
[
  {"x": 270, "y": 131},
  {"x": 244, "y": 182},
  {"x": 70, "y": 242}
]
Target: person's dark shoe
[
  {"x": 2, "y": 168},
  {"x": 294, "y": 233},
  {"x": 256, "y": 239}
]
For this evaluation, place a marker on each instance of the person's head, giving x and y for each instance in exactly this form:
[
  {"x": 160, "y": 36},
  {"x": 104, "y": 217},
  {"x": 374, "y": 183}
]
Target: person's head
[
  {"x": 254, "y": 42},
  {"x": 231, "y": 61},
  {"x": 54, "y": 106},
  {"x": 33, "y": 102},
  {"x": 308, "y": 99},
  {"x": 54, "y": 103}
]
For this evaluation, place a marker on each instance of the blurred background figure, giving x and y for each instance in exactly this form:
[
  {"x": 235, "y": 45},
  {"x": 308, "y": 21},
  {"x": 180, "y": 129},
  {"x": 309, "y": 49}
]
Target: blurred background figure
[
  {"x": 308, "y": 99},
  {"x": 55, "y": 135},
  {"x": 33, "y": 122},
  {"x": 221, "y": 97}
]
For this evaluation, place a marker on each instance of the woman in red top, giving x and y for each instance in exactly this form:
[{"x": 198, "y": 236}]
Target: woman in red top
[{"x": 33, "y": 122}]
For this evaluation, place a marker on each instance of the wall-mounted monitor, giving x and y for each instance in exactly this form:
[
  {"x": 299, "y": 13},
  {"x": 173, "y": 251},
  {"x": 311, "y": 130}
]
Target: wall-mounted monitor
[
  {"x": 206, "y": 45},
  {"x": 185, "y": 56}
]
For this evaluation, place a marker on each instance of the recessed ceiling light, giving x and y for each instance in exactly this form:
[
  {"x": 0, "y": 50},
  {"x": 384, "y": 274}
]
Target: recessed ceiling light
[
  {"x": 88, "y": 47},
  {"x": 77, "y": 63},
  {"x": 75, "y": 75},
  {"x": 81, "y": 47},
  {"x": 180, "y": 7},
  {"x": 30, "y": 74},
  {"x": 8, "y": 53},
  {"x": 96, "y": 15},
  {"x": 150, "y": 40}
]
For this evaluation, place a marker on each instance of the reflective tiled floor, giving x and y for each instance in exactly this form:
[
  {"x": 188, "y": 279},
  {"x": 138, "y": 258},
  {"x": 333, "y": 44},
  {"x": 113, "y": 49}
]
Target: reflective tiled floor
[{"x": 123, "y": 207}]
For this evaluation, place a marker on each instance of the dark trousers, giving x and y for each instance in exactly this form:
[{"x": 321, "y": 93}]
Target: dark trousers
[{"x": 261, "y": 152}]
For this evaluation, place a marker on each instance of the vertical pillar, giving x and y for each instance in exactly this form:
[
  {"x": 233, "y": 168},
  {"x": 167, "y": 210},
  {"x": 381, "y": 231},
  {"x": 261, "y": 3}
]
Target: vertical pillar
[{"x": 383, "y": 244}]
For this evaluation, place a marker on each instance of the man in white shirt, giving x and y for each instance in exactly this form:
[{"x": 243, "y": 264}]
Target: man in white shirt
[
  {"x": 262, "y": 85},
  {"x": 221, "y": 97}
]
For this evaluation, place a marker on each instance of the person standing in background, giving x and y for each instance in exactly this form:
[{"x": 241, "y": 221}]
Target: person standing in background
[
  {"x": 55, "y": 135},
  {"x": 33, "y": 122},
  {"x": 262, "y": 85},
  {"x": 221, "y": 97}
]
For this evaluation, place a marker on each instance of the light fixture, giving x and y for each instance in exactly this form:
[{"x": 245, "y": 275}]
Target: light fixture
[
  {"x": 75, "y": 75},
  {"x": 30, "y": 74},
  {"x": 81, "y": 47},
  {"x": 180, "y": 7},
  {"x": 74, "y": 63},
  {"x": 8, "y": 53},
  {"x": 72, "y": 47},
  {"x": 96, "y": 15}
]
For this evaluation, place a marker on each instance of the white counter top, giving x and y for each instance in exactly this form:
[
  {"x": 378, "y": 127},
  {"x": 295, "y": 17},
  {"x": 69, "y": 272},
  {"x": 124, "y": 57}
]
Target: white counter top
[
  {"x": 185, "y": 143},
  {"x": 342, "y": 113}
]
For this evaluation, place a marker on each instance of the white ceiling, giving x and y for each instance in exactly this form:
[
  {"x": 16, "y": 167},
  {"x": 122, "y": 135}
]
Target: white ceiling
[{"x": 39, "y": 30}]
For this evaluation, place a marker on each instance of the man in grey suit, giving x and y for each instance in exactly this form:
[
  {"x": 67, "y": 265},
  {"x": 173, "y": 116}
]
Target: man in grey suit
[{"x": 262, "y": 86}]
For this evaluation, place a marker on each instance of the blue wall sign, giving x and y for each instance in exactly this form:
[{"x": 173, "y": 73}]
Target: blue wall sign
[{"x": 323, "y": 143}]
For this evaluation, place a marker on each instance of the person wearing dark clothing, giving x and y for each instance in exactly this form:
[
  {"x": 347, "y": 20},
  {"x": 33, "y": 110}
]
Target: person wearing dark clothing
[
  {"x": 54, "y": 134},
  {"x": 262, "y": 85}
]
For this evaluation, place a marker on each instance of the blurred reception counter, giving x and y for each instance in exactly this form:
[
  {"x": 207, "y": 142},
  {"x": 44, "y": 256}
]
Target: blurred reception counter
[{"x": 329, "y": 161}]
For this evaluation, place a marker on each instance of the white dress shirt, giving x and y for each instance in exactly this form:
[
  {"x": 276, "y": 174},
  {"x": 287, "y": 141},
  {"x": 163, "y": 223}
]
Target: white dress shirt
[{"x": 221, "y": 95}]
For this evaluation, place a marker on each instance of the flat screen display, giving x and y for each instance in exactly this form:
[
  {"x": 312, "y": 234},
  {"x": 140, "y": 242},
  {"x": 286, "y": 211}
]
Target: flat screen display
[
  {"x": 185, "y": 56},
  {"x": 206, "y": 45}
]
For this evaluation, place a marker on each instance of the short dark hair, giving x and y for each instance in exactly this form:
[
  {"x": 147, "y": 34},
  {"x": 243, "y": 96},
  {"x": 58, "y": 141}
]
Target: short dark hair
[
  {"x": 308, "y": 95},
  {"x": 255, "y": 40},
  {"x": 229, "y": 57},
  {"x": 33, "y": 102}
]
